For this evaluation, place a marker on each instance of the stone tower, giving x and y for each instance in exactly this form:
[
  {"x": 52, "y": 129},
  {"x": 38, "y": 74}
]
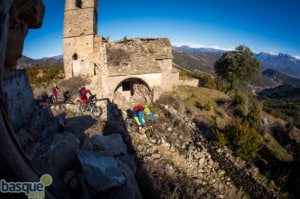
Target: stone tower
[{"x": 80, "y": 30}]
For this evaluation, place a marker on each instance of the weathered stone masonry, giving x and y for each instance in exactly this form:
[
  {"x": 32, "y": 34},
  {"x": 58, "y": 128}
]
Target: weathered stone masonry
[{"x": 114, "y": 67}]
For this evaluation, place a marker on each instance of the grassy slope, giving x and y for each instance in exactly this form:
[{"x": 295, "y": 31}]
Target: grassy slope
[
  {"x": 194, "y": 62},
  {"x": 191, "y": 98}
]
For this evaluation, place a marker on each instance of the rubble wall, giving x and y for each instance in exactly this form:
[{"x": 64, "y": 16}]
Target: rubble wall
[
  {"x": 81, "y": 64},
  {"x": 152, "y": 80}
]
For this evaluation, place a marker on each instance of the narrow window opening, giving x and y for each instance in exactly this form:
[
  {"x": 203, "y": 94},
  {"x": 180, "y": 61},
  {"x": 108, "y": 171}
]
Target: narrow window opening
[
  {"x": 75, "y": 56},
  {"x": 78, "y": 3}
]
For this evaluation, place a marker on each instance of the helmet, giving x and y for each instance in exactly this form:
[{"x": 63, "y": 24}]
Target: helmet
[
  {"x": 86, "y": 87},
  {"x": 81, "y": 87},
  {"x": 147, "y": 110},
  {"x": 54, "y": 84}
]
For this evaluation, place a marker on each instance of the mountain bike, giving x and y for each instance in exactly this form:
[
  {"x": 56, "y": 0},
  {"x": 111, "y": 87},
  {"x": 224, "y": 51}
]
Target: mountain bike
[
  {"x": 90, "y": 106},
  {"x": 151, "y": 132},
  {"x": 153, "y": 135}
]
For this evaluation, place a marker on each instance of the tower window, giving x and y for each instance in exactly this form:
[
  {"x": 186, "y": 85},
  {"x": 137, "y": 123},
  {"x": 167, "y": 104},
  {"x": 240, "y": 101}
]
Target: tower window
[
  {"x": 75, "y": 56},
  {"x": 78, "y": 3}
]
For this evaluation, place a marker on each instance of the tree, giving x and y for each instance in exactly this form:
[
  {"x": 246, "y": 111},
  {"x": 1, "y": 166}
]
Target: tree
[{"x": 238, "y": 67}]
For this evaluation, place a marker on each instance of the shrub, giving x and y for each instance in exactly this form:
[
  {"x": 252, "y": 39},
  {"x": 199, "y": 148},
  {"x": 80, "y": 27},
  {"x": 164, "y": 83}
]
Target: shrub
[
  {"x": 125, "y": 40},
  {"x": 243, "y": 140},
  {"x": 241, "y": 101},
  {"x": 220, "y": 139},
  {"x": 254, "y": 116},
  {"x": 42, "y": 75},
  {"x": 221, "y": 85}
]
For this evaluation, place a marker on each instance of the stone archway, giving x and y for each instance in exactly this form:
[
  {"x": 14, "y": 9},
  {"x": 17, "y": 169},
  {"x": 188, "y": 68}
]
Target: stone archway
[{"x": 132, "y": 91}]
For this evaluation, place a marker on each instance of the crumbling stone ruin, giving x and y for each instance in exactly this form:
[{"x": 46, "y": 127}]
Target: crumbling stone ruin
[
  {"x": 34, "y": 142},
  {"x": 119, "y": 70}
]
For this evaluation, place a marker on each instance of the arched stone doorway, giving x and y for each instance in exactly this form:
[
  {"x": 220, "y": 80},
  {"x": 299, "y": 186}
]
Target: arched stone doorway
[{"x": 132, "y": 91}]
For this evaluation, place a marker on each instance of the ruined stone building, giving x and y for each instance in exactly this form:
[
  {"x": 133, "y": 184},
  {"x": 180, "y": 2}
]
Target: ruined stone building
[{"x": 130, "y": 70}]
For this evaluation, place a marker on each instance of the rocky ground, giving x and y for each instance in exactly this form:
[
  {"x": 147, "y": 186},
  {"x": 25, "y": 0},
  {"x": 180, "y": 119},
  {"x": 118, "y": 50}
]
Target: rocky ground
[{"x": 71, "y": 145}]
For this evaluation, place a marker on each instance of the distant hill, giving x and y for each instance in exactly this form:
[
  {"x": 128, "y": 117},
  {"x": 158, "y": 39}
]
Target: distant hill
[
  {"x": 282, "y": 62},
  {"x": 272, "y": 78},
  {"x": 195, "y": 60},
  {"x": 204, "y": 59},
  {"x": 281, "y": 78},
  {"x": 26, "y": 62},
  {"x": 186, "y": 48},
  {"x": 281, "y": 92}
]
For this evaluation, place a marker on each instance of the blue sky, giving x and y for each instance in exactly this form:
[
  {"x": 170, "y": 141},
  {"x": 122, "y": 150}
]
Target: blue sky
[{"x": 271, "y": 26}]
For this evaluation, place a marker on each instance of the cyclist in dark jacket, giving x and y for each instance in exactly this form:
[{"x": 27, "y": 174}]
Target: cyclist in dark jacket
[{"x": 83, "y": 91}]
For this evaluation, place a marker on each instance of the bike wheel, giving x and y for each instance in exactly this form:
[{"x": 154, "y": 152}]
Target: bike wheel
[
  {"x": 53, "y": 99},
  {"x": 153, "y": 137},
  {"x": 79, "y": 106},
  {"x": 62, "y": 107},
  {"x": 96, "y": 111},
  {"x": 131, "y": 125}
]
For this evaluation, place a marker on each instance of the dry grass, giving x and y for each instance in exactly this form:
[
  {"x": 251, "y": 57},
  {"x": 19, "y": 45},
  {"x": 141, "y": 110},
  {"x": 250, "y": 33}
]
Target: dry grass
[
  {"x": 200, "y": 102},
  {"x": 280, "y": 152}
]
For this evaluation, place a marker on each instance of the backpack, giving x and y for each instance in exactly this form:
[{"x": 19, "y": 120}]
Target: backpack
[
  {"x": 81, "y": 93},
  {"x": 137, "y": 108}
]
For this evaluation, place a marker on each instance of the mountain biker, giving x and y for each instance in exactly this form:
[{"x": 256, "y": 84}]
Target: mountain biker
[
  {"x": 55, "y": 91},
  {"x": 66, "y": 95},
  {"x": 139, "y": 112},
  {"x": 83, "y": 91}
]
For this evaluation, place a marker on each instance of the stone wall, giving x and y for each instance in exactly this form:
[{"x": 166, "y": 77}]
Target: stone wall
[
  {"x": 138, "y": 56},
  {"x": 107, "y": 63},
  {"x": 18, "y": 93},
  {"x": 166, "y": 75},
  {"x": 152, "y": 80},
  {"x": 189, "y": 82},
  {"x": 71, "y": 4},
  {"x": 77, "y": 53},
  {"x": 80, "y": 21},
  {"x": 80, "y": 28}
]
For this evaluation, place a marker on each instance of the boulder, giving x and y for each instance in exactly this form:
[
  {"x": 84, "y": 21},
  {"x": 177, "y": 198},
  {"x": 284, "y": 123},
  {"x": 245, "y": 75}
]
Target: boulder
[
  {"x": 113, "y": 144},
  {"x": 101, "y": 172},
  {"x": 57, "y": 158},
  {"x": 29, "y": 142},
  {"x": 20, "y": 102},
  {"x": 77, "y": 125},
  {"x": 40, "y": 118}
]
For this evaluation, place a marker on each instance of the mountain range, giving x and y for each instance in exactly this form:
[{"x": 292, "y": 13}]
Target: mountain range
[
  {"x": 27, "y": 62},
  {"x": 203, "y": 59}
]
